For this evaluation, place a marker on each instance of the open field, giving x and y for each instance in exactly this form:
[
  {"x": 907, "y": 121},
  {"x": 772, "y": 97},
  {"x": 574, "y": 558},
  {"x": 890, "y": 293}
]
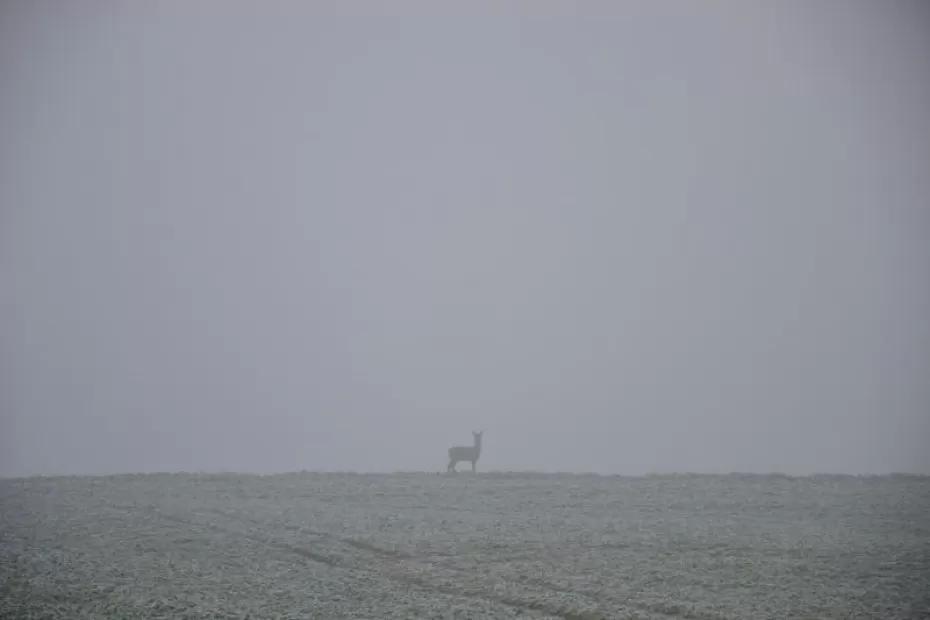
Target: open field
[{"x": 309, "y": 545}]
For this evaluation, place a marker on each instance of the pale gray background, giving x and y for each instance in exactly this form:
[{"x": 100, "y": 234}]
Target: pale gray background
[{"x": 621, "y": 237}]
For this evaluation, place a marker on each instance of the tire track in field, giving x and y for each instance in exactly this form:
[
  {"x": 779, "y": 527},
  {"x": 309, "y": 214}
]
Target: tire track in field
[
  {"x": 670, "y": 611},
  {"x": 355, "y": 543},
  {"x": 301, "y": 551},
  {"x": 402, "y": 561},
  {"x": 396, "y": 566},
  {"x": 528, "y": 606},
  {"x": 424, "y": 584}
]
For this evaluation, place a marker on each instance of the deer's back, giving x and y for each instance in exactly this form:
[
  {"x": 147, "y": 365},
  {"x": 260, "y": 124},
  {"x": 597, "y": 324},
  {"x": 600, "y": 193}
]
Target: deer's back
[{"x": 462, "y": 452}]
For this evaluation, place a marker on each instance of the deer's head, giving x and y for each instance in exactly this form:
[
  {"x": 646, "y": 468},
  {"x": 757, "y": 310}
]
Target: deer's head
[{"x": 477, "y": 435}]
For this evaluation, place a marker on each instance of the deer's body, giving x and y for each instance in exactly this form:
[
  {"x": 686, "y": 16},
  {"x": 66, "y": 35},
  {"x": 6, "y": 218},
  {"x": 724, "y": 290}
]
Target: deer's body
[{"x": 465, "y": 453}]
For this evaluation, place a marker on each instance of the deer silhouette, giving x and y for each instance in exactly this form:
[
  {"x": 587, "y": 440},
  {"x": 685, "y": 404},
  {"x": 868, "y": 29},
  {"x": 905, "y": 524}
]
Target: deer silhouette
[{"x": 465, "y": 453}]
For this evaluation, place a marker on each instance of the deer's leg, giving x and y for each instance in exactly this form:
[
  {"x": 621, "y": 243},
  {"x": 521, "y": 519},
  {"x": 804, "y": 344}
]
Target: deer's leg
[
  {"x": 451, "y": 466},
  {"x": 473, "y": 466}
]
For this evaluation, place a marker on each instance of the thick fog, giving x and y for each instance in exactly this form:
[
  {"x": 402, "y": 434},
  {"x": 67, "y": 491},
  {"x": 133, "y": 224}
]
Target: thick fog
[{"x": 656, "y": 237}]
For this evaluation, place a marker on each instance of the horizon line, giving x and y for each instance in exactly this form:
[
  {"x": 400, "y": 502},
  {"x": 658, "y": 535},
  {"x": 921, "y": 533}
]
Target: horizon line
[{"x": 493, "y": 472}]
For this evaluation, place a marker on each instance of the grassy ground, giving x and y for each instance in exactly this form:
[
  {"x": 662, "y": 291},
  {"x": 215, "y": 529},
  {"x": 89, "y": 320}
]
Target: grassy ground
[{"x": 464, "y": 546}]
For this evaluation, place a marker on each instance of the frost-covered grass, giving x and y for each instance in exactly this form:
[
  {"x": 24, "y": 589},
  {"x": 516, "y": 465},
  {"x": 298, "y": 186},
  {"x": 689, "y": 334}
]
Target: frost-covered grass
[{"x": 464, "y": 546}]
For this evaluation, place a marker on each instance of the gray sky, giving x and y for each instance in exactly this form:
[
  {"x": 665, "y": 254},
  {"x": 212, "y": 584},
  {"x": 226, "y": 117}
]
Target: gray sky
[{"x": 661, "y": 236}]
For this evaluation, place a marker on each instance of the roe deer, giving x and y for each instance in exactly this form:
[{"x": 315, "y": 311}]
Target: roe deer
[{"x": 465, "y": 453}]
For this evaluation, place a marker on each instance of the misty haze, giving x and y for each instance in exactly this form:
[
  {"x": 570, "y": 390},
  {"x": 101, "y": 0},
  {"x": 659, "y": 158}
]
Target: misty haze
[{"x": 593, "y": 310}]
